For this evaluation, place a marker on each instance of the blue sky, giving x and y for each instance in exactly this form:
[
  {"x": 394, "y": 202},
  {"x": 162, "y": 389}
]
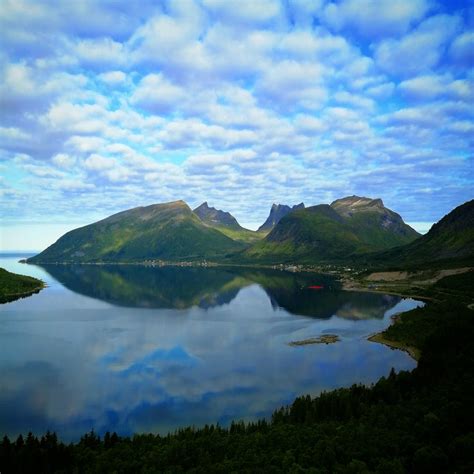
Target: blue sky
[{"x": 111, "y": 105}]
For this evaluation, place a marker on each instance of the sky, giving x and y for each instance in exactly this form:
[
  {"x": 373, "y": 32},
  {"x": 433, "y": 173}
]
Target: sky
[{"x": 109, "y": 105}]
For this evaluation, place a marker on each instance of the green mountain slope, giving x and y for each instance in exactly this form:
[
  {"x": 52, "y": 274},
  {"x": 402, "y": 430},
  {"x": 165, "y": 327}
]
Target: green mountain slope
[
  {"x": 160, "y": 231},
  {"x": 324, "y": 233},
  {"x": 374, "y": 224},
  {"x": 226, "y": 223},
  {"x": 450, "y": 242}
]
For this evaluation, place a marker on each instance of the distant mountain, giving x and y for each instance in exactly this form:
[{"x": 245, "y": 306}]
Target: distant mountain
[
  {"x": 225, "y": 223},
  {"x": 213, "y": 216},
  {"x": 347, "y": 227},
  {"x": 168, "y": 231},
  {"x": 450, "y": 242},
  {"x": 277, "y": 212}
]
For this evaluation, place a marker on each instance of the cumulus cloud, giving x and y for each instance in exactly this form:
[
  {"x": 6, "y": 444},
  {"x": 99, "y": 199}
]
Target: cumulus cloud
[
  {"x": 291, "y": 85},
  {"x": 99, "y": 163},
  {"x": 157, "y": 94},
  {"x": 375, "y": 19},
  {"x": 420, "y": 50},
  {"x": 63, "y": 160},
  {"x": 113, "y": 78},
  {"x": 295, "y": 100},
  {"x": 434, "y": 86},
  {"x": 462, "y": 49}
]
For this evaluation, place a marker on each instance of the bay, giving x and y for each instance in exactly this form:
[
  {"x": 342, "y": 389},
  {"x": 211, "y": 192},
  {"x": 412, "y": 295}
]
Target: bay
[{"x": 137, "y": 349}]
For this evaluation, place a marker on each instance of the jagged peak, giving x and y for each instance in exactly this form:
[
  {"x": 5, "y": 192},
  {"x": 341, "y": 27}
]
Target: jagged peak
[{"x": 204, "y": 205}]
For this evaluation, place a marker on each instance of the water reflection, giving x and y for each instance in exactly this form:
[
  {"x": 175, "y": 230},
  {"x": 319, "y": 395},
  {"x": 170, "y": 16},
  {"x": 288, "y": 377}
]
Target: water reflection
[
  {"x": 136, "y": 349},
  {"x": 184, "y": 287}
]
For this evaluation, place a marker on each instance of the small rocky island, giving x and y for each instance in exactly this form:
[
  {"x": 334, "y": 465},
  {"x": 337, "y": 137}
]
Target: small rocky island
[{"x": 324, "y": 339}]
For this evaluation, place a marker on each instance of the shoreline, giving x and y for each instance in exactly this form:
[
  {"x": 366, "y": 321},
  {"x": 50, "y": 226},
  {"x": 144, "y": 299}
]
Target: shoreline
[
  {"x": 340, "y": 276},
  {"x": 379, "y": 338},
  {"x": 9, "y": 298}
]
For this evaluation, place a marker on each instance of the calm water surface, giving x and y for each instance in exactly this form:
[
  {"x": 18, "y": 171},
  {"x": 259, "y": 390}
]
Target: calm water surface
[{"x": 135, "y": 349}]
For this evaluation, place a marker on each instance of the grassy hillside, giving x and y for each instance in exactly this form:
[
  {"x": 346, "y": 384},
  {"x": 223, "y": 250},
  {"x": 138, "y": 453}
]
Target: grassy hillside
[
  {"x": 306, "y": 235},
  {"x": 162, "y": 231},
  {"x": 242, "y": 235},
  {"x": 14, "y": 286},
  {"x": 449, "y": 243},
  {"x": 324, "y": 233}
]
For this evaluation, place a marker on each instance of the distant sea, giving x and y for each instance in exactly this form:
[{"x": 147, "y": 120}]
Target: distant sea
[{"x": 18, "y": 253}]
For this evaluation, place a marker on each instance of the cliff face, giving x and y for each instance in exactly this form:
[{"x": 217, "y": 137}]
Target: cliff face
[{"x": 277, "y": 212}]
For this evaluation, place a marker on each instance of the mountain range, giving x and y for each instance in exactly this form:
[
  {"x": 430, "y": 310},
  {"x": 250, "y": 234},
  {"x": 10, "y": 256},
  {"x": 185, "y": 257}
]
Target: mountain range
[
  {"x": 348, "y": 226},
  {"x": 349, "y": 229}
]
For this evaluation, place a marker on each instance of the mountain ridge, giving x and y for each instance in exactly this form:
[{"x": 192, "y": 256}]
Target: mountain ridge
[
  {"x": 159, "y": 231},
  {"x": 321, "y": 233},
  {"x": 225, "y": 223},
  {"x": 214, "y": 216},
  {"x": 277, "y": 212},
  {"x": 350, "y": 229}
]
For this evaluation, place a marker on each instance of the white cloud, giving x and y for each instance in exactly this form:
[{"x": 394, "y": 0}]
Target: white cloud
[
  {"x": 97, "y": 162},
  {"x": 310, "y": 124},
  {"x": 291, "y": 84},
  {"x": 202, "y": 100},
  {"x": 244, "y": 11},
  {"x": 13, "y": 134},
  {"x": 434, "y": 86},
  {"x": 85, "y": 144},
  {"x": 382, "y": 91},
  {"x": 462, "y": 49},
  {"x": 163, "y": 37},
  {"x": 88, "y": 118},
  {"x": 375, "y": 18},
  {"x": 157, "y": 94},
  {"x": 418, "y": 51},
  {"x": 192, "y": 132},
  {"x": 354, "y": 100},
  {"x": 113, "y": 78},
  {"x": 63, "y": 160},
  {"x": 101, "y": 52}
]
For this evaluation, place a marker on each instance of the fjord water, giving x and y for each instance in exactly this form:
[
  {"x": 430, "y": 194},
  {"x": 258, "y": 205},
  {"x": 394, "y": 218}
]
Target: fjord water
[{"x": 140, "y": 349}]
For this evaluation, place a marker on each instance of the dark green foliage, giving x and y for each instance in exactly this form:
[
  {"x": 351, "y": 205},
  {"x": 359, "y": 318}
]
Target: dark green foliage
[
  {"x": 14, "y": 286},
  {"x": 417, "y": 422},
  {"x": 458, "y": 286}
]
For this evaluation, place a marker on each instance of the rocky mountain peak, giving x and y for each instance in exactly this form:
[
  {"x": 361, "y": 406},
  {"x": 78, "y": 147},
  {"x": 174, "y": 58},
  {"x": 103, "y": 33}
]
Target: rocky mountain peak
[
  {"x": 213, "y": 216},
  {"x": 277, "y": 212}
]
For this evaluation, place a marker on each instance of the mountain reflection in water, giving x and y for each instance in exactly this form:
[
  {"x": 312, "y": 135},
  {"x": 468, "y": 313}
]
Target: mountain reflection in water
[
  {"x": 137, "y": 349},
  {"x": 170, "y": 287}
]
